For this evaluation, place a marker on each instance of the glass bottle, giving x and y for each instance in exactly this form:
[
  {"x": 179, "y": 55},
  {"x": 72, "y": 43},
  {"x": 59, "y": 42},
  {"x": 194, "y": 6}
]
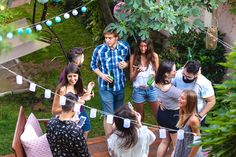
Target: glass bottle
[
  {"x": 150, "y": 80},
  {"x": 112, "y": 78}
]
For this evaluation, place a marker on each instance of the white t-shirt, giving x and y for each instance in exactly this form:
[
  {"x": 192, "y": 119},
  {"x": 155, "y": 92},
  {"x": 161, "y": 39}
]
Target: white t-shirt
[
  {"x": 141, "y": 149},
  {"x": 202, "y": 86}
]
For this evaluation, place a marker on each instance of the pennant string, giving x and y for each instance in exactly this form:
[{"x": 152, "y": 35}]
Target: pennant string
[{"x": 102, "y": 112}]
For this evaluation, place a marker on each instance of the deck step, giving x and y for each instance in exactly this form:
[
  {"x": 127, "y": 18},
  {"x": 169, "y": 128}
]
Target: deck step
[
  {"x": 17, "y": 3},
  {"x": 22, "y": 50}
]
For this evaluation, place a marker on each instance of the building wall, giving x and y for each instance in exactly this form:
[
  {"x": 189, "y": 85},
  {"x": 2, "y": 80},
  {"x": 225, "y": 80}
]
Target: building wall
[{"x": 226, "y": 23}]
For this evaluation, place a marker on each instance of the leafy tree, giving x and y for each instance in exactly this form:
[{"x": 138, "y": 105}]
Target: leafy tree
[
  {"x": 141, "y": 16},
  {"x": 220, "y": 136}
]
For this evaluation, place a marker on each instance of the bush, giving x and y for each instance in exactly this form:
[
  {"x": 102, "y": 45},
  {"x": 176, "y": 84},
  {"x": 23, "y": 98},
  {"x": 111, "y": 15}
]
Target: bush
[
  {"x": 186, "y": 46},
  {"x": 220, "y": 136}
]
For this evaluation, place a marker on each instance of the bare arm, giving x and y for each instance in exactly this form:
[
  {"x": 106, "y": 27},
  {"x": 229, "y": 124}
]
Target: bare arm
[
  {"x": 56, "y": 108},
  {"x": 156, "y": 61},
  {"x": 194, "y": 124},
  {"x": 133, "y": 71},
  {"x": 210, "y": 102}
]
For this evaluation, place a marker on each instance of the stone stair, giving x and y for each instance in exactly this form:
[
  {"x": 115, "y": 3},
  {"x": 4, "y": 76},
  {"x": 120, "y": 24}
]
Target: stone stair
[
  {"x": 17, "y": 3},
  {"x": 20, "y": 47}
]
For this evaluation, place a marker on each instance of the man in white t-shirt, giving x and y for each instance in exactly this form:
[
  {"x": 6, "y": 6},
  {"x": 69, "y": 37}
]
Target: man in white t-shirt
[{"x": 190, "y": 77}]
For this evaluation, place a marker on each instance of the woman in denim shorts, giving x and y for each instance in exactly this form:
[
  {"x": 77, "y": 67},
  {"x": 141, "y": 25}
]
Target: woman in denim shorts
[{"x": 144, "y": 63}]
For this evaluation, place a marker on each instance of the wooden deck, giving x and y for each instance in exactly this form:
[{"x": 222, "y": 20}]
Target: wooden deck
[{"x": 98, "y": 147}]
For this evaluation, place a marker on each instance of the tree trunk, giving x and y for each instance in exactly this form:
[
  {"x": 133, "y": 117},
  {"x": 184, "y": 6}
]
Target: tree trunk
[{"x": 106, "y": 12}]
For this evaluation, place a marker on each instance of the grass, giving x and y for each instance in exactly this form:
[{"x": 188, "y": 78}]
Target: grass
[{"x": 73, "y": 34}]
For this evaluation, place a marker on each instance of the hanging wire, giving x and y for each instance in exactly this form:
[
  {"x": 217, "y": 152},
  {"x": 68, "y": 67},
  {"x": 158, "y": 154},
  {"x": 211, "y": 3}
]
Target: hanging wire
[
  {"x": 33, "y": 25},
  {"x": 102, "y": 112},
  {"x": 216, "y": 38}
]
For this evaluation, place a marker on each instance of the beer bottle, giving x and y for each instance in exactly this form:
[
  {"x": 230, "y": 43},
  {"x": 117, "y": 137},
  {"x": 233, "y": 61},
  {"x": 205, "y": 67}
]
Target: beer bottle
[
  {"x": 112, "y": 78},
  {"x": 150, "y": 80}
]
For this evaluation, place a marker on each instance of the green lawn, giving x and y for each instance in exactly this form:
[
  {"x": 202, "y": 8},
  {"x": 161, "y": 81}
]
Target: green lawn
[{"x": 72, "y": 33}]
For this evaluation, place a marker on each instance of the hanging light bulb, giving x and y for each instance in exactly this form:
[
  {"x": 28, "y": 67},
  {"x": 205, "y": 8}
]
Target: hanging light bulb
[
  {"x": 39, "y": 27},
  {"x": 20, "y": 31},
  {"x": 66, "y": 16},
  {"x": 2, "y": 7},
  {"x": 74, "y": 12},
  {"x": 58, "y": 19},
  {"x": 49, "y": 23},
  {"x": 28, "y": 31},
  {"x": 83, "y": 9},
  {"x": 10, "y": 35},
  {"x": 42, "y": 1}
]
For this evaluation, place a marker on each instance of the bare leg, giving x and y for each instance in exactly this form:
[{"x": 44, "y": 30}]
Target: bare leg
[
  {"x": 140, "y": 110},
  {"x": 162, "y": 148},
  {"x": 154, "y": 106},
  {"x": 174, "y": 140},
  {"x": 108, "y": 128},
  {"x": 86, "y": 134}
]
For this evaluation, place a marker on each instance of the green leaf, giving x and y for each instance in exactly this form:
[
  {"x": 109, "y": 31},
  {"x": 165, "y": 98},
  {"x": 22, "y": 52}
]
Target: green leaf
[
  {"x": 195, "y": 11},
  {"x": 198, "y": 23}
]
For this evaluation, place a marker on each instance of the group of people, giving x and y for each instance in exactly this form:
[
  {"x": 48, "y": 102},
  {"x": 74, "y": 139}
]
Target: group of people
[{"x": 178, "y": 100}]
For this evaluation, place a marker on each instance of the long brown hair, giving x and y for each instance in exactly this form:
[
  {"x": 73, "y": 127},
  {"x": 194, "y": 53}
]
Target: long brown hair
[
  {"x": 166, "y": 66},
  {"x": 149, "y": 53},
  {"x": 129, "y": 135},
  {"x": 72, "y": 68},
  {"x": 190, "y": 108}
]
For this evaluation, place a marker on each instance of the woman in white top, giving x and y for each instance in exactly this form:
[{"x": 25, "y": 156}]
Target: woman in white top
[
  {"x": 144, "y": 63},
  {"x": 129, "y": 141}
]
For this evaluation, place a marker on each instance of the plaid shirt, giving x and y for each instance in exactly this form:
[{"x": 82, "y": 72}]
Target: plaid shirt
[{"x": 107, "y": 60}]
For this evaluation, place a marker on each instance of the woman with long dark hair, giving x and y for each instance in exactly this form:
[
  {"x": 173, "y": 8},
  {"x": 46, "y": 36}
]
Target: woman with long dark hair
[
  {"x": 167, "y": 114},
  {"x": 72, "y": 82},
  {"x": 144, "y": 63},
  {"x": 129, "y": 141}
]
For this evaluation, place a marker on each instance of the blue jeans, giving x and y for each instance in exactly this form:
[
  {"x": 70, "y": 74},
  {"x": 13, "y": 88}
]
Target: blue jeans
[
  {"x": 87, "y": 125},
  {"x": 111, "y": 100}
]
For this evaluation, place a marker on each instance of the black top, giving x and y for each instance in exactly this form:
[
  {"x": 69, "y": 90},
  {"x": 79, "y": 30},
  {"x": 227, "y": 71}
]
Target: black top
[{"x": 66, "y": 139}]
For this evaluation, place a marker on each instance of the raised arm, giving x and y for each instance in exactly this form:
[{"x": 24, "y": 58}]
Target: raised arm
[{"x": 133, "y": 70}]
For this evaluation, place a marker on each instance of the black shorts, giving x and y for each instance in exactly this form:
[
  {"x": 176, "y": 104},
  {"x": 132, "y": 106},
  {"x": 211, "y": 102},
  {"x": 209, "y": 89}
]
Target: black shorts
[{"x": 168, "y": 119}]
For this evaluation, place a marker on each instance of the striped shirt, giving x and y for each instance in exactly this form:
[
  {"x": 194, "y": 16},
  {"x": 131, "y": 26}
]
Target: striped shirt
[{"x": 107, "y": 60}]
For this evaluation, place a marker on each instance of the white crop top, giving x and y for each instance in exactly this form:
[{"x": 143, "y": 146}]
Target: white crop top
[{"x": 143, "y": 77}]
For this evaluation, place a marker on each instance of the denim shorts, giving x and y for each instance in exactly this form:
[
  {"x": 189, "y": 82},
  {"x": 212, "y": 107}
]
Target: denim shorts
[
  {"x": 111, "y": 100},
  {"x": 87, "y": 125},
  {"x": 140, "y": 95}
]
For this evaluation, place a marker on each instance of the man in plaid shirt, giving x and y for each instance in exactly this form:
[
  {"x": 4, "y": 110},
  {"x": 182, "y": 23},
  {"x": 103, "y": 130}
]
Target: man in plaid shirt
[{"x": 109, "y": 61}]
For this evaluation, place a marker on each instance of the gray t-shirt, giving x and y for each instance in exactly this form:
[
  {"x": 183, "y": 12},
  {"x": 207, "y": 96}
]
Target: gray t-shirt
[{"x": 169, "y": 98}]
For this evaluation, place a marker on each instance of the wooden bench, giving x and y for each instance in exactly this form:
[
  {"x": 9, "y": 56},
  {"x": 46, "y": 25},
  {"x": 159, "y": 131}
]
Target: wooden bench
[{"x": 20, "y": 125}]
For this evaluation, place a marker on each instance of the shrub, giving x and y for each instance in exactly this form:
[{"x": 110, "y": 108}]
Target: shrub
[
  {"x": 220, "y": 136},
  {"x": 186, "y": 46}
]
